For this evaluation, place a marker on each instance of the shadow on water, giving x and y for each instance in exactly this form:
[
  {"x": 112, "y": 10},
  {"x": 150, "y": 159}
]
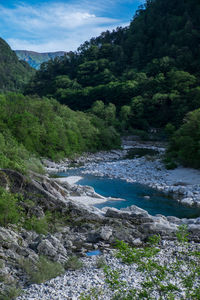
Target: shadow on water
[{"x": 134, "y": 194}]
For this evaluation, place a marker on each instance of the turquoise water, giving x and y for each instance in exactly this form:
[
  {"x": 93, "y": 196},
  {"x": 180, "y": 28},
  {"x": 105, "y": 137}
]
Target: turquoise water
[
  {"x": 93, "y": 253},
  {"x": 134, "y": 194}
]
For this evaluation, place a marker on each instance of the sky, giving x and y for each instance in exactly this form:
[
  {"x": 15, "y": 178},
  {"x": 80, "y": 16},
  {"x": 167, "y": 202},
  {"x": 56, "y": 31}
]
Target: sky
[{"x": 50, "y": 25}]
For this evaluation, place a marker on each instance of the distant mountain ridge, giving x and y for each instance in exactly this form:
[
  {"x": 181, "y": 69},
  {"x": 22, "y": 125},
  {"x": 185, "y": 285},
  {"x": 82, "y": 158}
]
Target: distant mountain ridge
[{"x": 35, "y": 59}]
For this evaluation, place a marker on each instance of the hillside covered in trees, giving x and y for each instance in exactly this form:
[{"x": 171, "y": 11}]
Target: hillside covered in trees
[
  {"x": 141, "y": 76},
  {"x": 31, "y": 127},
  {"x": 149, "y": 67},
  {"x": 13, "y": 73}
]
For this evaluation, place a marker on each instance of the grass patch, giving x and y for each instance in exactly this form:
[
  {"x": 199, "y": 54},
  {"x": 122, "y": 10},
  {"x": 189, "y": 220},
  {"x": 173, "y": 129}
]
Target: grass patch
[
  {"x": 40, "y": 225},
  {"x": 10, "y": 293},
  {"x": 55, "y": 176},
  {"x": 100, "y": 262},
  {"x": 73, "y": 263},
  {"x": 43, "y": 270}
]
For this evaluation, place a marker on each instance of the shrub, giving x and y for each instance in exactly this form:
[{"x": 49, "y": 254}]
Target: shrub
[
  {"x": 169, "y": 163},
  {"x": 10, "y": 293},
  {"x": 139, "y": 152},
  {"x": 73, "y": 263},
  {"x": 100, "y": 262},
  {"x": 39, "y": 225},
  {"x": 43, "y": 270},
  {"x": 10, "y": 211},
  {"x": 184, "y": 143}
]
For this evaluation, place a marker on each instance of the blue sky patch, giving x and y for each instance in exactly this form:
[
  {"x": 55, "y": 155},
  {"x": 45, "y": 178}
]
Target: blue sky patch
[{"x": 51, "y": 25}]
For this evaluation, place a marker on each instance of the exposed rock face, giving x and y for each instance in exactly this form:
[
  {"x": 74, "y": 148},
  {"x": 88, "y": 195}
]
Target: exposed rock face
[{"x": 87, "y": 228}]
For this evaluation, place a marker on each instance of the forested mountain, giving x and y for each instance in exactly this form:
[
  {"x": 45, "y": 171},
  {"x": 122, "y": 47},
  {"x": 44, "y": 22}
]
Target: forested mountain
[
  {"x": 35, "y": 59},
  {"x": 145, "y": 75},
  {"x": 13, "y": 73},
  {"x": 43, "y": 127},
  {"x": 149, "y": 67}
]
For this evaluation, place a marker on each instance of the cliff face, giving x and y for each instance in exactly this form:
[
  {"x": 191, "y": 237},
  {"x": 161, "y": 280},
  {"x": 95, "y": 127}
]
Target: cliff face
[{"x": 35, "y": 59}]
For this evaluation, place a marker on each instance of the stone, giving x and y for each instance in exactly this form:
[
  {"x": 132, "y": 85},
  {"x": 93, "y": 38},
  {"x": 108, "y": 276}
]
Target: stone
[
  {"x": 194, "y": 228},
  {"x": 106, "y": 233},
  {"x": 46, "y": 248},
  {"x": 187, "y": 201},
  {"x": 174, "y": 220}
]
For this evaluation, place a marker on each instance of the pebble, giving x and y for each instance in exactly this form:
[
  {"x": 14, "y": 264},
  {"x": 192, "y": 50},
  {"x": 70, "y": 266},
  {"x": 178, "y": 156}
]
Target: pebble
[
  {"x": 143, "y": 171},
  {"x": 73, "y": 284}
]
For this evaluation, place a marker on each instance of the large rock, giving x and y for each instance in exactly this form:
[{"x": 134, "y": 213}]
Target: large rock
[
  {"x": 39, "y": 189},
  {"x": 106, "y": 233},
  {"x": 52, "y": 248},
  {"x": 135, "y": 217}
]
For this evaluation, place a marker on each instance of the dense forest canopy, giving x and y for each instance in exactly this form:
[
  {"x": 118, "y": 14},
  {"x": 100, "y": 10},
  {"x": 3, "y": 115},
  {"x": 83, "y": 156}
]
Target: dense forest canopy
[
  {"x": 141, "y": 76},
  {"x": 33, "y": 127},
  {"x": 152, "y": 65}
]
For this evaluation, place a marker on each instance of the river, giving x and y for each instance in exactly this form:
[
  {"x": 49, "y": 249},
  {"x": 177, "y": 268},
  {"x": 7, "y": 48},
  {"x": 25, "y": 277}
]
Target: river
[{"x": 153, "y": 201}]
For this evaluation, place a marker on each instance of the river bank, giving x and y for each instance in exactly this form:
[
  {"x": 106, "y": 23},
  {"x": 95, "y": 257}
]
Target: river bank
[
  {"x": 183, "y": 184},
  {"x": 77, "y": 229}
]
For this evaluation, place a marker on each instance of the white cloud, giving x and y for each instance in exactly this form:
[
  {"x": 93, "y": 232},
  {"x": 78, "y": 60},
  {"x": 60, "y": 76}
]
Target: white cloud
[
  {"x": 66, "y": 43},
  {"x": 56, "y": 26}
]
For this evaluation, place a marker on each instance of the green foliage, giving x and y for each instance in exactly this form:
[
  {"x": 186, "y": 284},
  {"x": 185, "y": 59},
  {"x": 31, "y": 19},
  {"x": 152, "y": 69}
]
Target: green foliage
[
  {"x": 174, "y": 278},
  {"x": 169, "y": 162},
  {"x": 184, "y": 144},
  {"x": 182, "y": 234},
  {"x": 14, "y": 73},
  {"x": 73, "y": 263},
  {"x": 169, "y": 129},
  {"x": 10, "y": 210},
  {"x": 139, "y": 152},
  {"x": 112, "y": 278},
  {"x": 10, "y": 293},
  {"x": 150, "y": 83},
  {"x": 92, "y": 294},
  {"x": 100, "y": 262},
  {"x": 32, "y": 127},
  {"x": 42, "y": 271},
  {"x": 39, "y": 225}
]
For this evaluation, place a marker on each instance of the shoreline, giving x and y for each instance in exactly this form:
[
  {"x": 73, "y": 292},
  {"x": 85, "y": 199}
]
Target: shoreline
[
  {"x": 87, "y": 196},
  {"x": 182, "y": 184}
]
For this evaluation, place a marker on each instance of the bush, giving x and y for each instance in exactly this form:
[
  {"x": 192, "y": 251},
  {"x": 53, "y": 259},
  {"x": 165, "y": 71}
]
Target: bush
[
  {"x": 184, "y": 144},
  {"x": 73, "y": 263},
  {"x": 143, "y": 135},
  {"x": 10, "y": 293},
  {"x": 139, "y": 152},
  {"x": 158, "y": 275},
  {"x": 100, "y": 262},
  {"x": 10, "y": 211},
  {"x": 43, "y": 270},
  {"x": 39, "y": 225},
  {"x": 169, "y": 163}
]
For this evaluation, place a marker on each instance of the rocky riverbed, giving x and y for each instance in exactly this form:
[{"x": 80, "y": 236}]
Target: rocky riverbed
[
  {"x": 90, "y": 278},
  {"x": 80, "y": 228},
  {"x": 181, "y": 183}
]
